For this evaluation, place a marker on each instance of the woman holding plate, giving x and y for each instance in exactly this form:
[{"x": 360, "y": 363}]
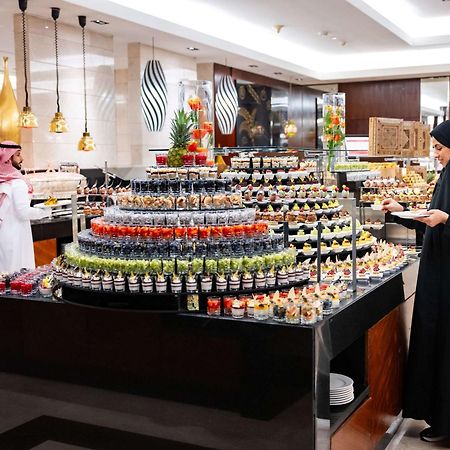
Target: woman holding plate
[{"x": 427, "y": 386}]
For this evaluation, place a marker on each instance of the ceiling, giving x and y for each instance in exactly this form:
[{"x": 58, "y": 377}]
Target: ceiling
[{"x": 322, "y": 41}]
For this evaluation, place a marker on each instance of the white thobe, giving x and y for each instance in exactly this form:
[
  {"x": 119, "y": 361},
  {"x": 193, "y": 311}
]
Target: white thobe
[{"x": 16, "y": 240}]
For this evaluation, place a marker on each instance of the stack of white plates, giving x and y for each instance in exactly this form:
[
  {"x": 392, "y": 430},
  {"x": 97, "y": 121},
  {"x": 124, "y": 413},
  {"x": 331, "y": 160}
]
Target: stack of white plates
[{"x": 341, "y": 389}]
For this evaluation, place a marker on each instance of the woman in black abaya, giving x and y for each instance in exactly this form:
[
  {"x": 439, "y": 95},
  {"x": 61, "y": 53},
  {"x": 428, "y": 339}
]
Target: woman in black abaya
[{"x": 427, "y": 387}]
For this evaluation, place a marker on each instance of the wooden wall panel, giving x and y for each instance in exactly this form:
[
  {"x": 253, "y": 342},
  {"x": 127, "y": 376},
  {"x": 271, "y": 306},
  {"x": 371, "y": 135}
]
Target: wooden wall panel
[
  {"x": 386, "y": 358},
  {"x": 387, "y": 98},
  {"x": 44, "y": 251},
  {"x": 309, "y": 123},
  {"x": 302, "y": 106}
]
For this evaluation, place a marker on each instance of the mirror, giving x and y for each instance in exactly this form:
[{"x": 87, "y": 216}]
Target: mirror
[{"x": 434, "y": 100}]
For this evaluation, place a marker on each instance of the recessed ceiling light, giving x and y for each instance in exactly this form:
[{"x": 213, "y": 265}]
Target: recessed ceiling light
[
  {"x": 334, "y": 38},
  {"x": 253, "y": 65},
  {"x": 46, "y": 27},
  {"x": 278, "y": 73},
  {"x": 323, "y": 33},
  {"x": 99, "y": 22},
  {"x": 192, "y": 49},
  {"x": 343, "y": 43}
]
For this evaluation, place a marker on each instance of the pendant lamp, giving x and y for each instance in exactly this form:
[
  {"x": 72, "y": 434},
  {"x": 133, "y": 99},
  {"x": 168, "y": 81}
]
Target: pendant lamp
[
  {"x": 26, "y": 118},
  {"x": 226, "y": 104},
  {"x": 58, "y": 123},
  {"x": 290, "y": 127},
  {"x": 154, "y": 94},
  {"x": 86, "y": 143},
  {"x": 9, "y": 112}
]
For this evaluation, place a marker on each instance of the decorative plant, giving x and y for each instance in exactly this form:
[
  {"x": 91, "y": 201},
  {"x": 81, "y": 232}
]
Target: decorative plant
[
  {"x": 180, "y": 134},
  {"x": 333, "y": 124}
]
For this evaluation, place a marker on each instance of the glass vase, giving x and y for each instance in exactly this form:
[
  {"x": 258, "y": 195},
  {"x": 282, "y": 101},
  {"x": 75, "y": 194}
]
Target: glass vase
[
  {"x": 195, "y": 97},
  {"x": 334, "y": 127}
]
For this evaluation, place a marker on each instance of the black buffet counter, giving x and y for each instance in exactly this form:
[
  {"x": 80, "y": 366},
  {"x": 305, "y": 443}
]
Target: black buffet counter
[{"x": 265, "y": 384}]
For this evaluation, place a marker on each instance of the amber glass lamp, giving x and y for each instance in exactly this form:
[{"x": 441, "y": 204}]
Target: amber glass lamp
[
  {"x": 26, "y": 118},
  {"x": 58, "y": 123},
  {"x": 86, "y": 143}
]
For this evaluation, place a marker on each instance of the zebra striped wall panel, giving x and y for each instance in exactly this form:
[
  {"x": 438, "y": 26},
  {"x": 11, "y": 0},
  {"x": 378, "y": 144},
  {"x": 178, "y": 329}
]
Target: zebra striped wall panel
[
  {"x": 226, "y": 105},
  {"x": 154, "y": 96}
]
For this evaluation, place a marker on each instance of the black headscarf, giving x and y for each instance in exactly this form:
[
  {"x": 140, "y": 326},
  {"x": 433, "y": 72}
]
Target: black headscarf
[{"x": 442, "y": 133}]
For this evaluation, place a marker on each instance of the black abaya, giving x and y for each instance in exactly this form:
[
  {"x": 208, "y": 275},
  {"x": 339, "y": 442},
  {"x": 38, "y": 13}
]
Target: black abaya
[{"x": 427, "y": 388}]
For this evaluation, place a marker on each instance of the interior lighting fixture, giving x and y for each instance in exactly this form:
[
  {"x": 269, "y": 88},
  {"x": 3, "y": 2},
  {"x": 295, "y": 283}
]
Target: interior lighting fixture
[
  {"x": 100, "y": 22},
  {"x": 26, "y": 118},
  {"x": 58, "y": 123},
  {"x": 278, "y": 73},
  {"x": 154, "y": 94},
  {"x": 227, "y": 105},
  {"x": 86, "y": 143},
  {"x": 192, "y": 49},
  {"x": 253, "y": 65},
  {"x": 290, "y": 127}
]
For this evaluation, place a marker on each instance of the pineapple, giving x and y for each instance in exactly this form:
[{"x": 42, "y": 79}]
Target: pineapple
[{"x": 180, "y": 135}]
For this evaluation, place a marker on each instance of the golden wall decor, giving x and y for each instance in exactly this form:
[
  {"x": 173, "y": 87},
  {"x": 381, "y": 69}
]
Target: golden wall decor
[{"x": 9, "y": 112}]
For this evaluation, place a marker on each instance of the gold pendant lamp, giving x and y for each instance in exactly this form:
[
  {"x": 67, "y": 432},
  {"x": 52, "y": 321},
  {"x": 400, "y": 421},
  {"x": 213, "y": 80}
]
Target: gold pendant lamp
[
  {"x": 86, "y": 143},
  {"x": 58, "y": 123},
  {"x": 26, "y": 118},
  {"x": 9, "y": 113}
]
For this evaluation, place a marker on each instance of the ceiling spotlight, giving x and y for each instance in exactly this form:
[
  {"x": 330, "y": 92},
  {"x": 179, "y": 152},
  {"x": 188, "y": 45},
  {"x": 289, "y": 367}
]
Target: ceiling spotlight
[
  {"x": 323, "y": 33},
  {"x": 192, "y": 49},
  {"x": 253, "y": 65},
  {"x": 333, "y": 38},
  {"x": 99, "y": 22},
  {"x": 278, "y": 28},
  {"x": 343, "y": 43},
  {"x": 278, "y": 73}
]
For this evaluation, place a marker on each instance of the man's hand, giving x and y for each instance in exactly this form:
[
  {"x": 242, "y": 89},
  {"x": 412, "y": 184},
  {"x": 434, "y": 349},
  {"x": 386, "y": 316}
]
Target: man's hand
[
  {"x": 390, "y": 205},
  {"x": 436, "y": 217}
]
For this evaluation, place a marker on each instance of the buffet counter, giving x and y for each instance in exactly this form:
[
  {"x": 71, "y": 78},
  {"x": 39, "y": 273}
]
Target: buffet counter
[{"x": 268, "y": 382}]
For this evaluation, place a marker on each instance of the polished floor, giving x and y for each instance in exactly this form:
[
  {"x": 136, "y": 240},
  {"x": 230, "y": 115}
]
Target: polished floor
[
  {"x": 38, "y": 414},
  {"x": 406, "y": 437}
]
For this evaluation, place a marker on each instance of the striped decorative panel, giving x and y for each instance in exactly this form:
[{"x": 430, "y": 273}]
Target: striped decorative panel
[
  {"x": 226, "y": 105},
  {"x": 154, "y": 96}
]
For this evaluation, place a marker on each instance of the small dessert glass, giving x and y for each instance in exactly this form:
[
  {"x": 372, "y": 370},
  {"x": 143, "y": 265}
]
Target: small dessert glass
[{"x": 213, "y": 306}]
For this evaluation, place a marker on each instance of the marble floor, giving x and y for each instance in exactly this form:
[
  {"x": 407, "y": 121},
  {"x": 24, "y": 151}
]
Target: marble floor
[
  {"x": 407, "y": 437},
  {"x": 37, "y": 414}
]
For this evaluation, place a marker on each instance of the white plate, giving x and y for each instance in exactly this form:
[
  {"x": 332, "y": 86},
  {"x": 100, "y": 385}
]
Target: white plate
[
  {"x": 58, "y": 204},
  {"x": 339, "y": 382},
  {"x": 411, "y": 214},
  {"x": 345, "y": 396},
  {"x": 342, "y": 402}
]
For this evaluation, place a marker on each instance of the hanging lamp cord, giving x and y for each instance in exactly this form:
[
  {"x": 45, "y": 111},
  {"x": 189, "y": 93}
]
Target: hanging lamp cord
[
  {"x": 24, "y": 40},
  {"x": 84, "y": 80},
  {"x": 57, "y": 63}
]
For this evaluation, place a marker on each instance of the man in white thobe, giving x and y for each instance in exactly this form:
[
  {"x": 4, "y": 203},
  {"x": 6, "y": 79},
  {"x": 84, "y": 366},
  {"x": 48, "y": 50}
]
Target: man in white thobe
[{"x": 16, "y": 240}]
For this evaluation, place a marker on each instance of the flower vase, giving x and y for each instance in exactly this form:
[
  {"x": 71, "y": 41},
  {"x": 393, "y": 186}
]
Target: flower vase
[
  {"x": 334, "y": 127},
  {"x": 195, "y": 97}
]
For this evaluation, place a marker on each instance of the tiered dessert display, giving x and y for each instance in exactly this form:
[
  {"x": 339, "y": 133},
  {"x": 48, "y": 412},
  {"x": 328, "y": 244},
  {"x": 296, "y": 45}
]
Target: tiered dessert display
[
  {"x": 412, "y": 192},
  {"x": 172, "y": 236}
]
